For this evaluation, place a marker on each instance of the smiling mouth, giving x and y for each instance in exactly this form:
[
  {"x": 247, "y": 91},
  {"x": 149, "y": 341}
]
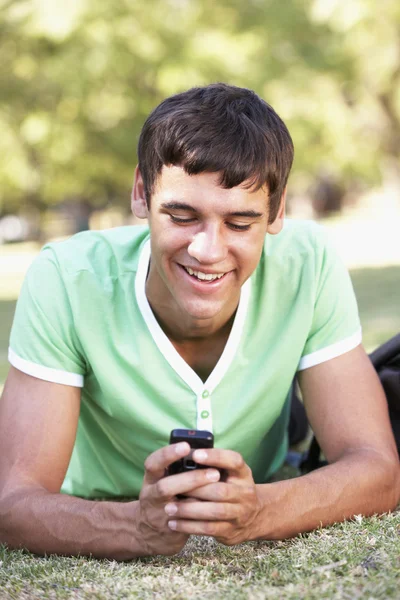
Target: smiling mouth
[{"x": 205, "y": 277}]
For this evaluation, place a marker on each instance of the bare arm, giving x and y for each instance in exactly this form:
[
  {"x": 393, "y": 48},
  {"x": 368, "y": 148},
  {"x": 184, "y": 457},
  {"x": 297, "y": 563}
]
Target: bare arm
[
  {"x": 348, "y": 412},
  {"x": 38, "y": 423}
]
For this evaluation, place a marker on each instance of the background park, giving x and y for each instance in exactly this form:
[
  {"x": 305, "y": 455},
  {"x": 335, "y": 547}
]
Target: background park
[{"x": 77, "y": 80}]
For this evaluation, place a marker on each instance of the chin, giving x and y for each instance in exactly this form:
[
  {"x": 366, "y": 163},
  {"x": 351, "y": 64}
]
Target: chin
[{"x": 201, "y": 310}]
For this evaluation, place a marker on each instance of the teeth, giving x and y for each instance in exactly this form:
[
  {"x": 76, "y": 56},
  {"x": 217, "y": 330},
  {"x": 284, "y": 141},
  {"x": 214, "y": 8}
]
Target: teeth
[{"x": 204, "y": 276}]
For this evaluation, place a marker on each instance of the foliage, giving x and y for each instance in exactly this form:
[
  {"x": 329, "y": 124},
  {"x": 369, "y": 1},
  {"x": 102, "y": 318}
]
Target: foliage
[{"x": 78, "y": 79}]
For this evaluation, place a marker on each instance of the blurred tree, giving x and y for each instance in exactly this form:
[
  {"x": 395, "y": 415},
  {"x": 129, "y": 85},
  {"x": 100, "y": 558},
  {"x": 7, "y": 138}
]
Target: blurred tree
[
  {"x": 368, "y": 90},
  {"x": 78, "y": 79}
]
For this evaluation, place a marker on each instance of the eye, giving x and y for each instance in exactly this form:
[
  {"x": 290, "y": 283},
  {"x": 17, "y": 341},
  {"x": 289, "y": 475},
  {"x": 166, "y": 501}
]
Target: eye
[
  {"x": 181, "y": 220},
  {"x": 239, "y": 227}
]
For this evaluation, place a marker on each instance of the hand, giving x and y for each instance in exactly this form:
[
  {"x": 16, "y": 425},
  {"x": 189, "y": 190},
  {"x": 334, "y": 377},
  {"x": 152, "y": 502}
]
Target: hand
[
  {"x": 227, "y": 510},
  {"x": 157, "y": 491}
]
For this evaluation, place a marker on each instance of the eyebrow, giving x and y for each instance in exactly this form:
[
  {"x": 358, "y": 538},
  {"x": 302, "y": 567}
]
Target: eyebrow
[
  {"x": 250, "y": 214},
  {"x": 177, "y": 206}
]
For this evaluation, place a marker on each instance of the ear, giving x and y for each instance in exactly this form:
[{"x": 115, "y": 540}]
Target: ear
[
  {"x": 138, "y": 200},
  {"x": 277, "y": 225}
]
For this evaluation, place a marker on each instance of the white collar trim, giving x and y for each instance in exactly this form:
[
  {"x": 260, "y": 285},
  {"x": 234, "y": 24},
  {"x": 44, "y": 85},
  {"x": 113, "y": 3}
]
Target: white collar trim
[{"x": 165, "y": 345}]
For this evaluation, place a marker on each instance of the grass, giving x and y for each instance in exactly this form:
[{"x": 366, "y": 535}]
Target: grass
[
  {"x": 7, "y": 308},
  {"x": 378, "y": 292},
  {"x": 356, "y": 559}
]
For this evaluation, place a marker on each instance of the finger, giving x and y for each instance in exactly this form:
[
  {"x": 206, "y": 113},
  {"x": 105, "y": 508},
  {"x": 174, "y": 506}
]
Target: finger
[
  {"x": 156, "y": 463},
  {"x": 182, "y": 483},
  {"x": 217, "y": 492},
  {"x": 209, "y": 528},
  {"x": 188, "y": 499},
  {"x": 223, "y": 459},
  {"x": 203, "y": 511}
]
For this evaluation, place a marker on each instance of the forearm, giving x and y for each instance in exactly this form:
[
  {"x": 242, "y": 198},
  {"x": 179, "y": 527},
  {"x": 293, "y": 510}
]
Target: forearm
[
  {"x": 358, "y": 483},
  {"x": 47, "y": 523}
]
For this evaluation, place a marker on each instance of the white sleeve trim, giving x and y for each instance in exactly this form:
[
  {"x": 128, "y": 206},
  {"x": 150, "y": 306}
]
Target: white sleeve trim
[
  {"x": 320, "y": 356},
  {"x": 41, "y": 372}
]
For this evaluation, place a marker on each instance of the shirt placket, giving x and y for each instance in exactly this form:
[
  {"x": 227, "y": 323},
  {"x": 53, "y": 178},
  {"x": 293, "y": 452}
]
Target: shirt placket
[{"x": 204, "y": 414}]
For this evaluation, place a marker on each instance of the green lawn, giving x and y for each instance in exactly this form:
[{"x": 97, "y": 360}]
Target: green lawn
[
  {"x": 7, "y": 308},
  {"x": 358, "y": 559},
  {"x": 378, "y": 294},
  {"x": 353, "y": 560}
]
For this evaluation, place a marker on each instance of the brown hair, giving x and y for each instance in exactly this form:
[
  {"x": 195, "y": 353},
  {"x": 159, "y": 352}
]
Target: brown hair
[{"x": 218, "y": 128}]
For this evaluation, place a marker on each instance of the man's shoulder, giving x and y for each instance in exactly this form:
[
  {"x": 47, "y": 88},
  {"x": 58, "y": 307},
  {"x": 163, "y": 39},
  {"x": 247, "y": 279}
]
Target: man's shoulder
[
  {"x": 299, "y": 242},
  {"x": 294, "y": 257},
  {"x": 105, "y": 251}
]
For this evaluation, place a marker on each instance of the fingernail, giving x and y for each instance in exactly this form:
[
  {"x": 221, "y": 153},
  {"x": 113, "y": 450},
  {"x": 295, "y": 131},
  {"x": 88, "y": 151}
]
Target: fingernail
[
  {"x": 171, "y": 509},
  {"x": 212, "y": 475},
  {"x": 181, "y": 448},
  {"x": 172, "y": 524},
  {"x": 200, "y": 455}
]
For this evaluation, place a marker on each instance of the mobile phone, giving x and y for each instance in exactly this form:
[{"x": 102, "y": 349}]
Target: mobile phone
[{"x": 196, "y": 439}]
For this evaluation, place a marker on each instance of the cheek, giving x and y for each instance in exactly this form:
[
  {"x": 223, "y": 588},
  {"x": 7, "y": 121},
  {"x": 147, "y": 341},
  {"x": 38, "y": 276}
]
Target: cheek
[
  {"x": 249, "y": 254},
  {"x": 171, "y": 240}
]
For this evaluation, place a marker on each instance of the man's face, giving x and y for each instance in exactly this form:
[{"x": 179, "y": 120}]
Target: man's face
[{"x": 205, "y": 243}]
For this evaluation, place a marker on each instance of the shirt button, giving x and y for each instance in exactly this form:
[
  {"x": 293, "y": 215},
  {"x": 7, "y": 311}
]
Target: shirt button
[
  {"x": 205, "y": 394},
  {"x": 204, "y": 414}
]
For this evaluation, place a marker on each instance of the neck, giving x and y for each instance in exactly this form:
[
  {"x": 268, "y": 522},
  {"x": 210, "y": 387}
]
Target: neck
[{"x": 179, "y": 328}]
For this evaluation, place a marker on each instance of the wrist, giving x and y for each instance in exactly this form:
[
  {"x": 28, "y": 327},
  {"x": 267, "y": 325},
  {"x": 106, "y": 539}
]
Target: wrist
[
  {"x": 256, "y": 530},
  {"x": 125, "y": 536},
  {"x": 140, "y": 531}
]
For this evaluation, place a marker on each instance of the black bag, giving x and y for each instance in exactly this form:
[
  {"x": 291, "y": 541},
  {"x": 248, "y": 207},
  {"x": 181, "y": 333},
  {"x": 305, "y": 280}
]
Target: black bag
[{"x": 386, "y": 360}]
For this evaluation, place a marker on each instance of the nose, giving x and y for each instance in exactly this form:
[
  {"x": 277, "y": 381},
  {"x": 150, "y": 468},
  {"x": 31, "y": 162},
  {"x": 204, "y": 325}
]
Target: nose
[{"x": 208, "y": 246}]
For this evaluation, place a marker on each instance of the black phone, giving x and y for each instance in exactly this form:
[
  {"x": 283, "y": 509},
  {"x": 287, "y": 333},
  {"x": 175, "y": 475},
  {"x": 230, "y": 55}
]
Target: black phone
[{"x": 196, "y": 439}]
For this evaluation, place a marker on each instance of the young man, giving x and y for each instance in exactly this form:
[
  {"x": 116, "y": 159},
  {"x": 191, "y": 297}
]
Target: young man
[{"x": 200, "y": 321}]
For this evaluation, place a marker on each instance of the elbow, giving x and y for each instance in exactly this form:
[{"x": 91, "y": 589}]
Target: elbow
[
  {"x": 8, "y": 517},
  {"x": 390, "y": 484},
  {"x": 396, "y": 484},
  {"x": 13, "y": 501},
  {"x": 380, "y": 472}
]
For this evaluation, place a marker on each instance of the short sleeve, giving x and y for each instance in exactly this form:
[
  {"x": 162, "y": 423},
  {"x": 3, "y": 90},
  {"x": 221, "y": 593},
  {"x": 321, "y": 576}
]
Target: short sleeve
[
  {"x": 335, "y": 327},
  {"x": 43, "y": 340}
]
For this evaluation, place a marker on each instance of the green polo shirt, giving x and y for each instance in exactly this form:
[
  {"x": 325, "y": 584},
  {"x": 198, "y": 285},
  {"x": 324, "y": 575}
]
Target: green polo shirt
[{"x": 83, "y": 319}]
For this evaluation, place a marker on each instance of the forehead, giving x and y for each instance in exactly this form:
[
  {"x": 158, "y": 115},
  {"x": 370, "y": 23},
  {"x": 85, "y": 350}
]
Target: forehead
[{"x": 174, "y": 184}]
